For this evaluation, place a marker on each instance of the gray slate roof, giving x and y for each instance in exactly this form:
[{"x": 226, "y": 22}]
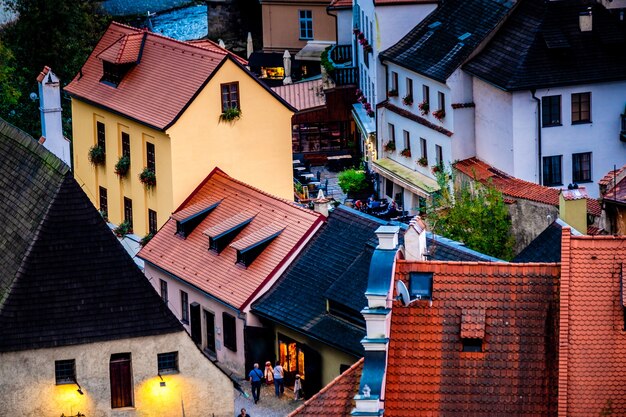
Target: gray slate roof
[
  {"x": 65, "y": 278},
  {"x": 334, "y": 265},
  {"x": 439, "y": 44},
  {"x": 541, "y": 46}
]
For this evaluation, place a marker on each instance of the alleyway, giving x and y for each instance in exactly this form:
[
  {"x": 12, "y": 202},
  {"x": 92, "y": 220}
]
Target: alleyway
[{"x": 269, "y": 405}]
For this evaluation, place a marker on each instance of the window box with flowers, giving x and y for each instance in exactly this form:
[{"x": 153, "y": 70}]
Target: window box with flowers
[
  {"x": 424, "y": 107},
  {"x": 407, "y": 100},
  {"x": 123, "y": 229},
  {"x": 439, "y": 114},
  {"x": 356, "y": 31},
  {"x": 392, "y": 93},
  {"x": 423, "y": 161},
  {"x": 96, "y": 155},
  {"x": 436, "y": 168},
  {"x": 360, "y": 35},
  {"x": 122, "y": 166},
  {"x": 406, "y": 152},
  {"x": 230, "y": 115},
  {"x": 371, "y": 113},
  {"x": 367, "y": 48},
  {"x": 148, "y": 178},
  {"x": 390, "y": 146}
]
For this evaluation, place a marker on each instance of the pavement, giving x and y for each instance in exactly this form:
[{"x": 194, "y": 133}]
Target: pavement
[
  {"x": 333, "y": 187},
  {"x": 269, "y": 405}
]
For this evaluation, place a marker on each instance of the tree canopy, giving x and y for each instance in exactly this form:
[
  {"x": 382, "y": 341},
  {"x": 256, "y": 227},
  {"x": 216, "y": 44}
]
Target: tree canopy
[
  {"x": 476, "y": 216},
  {"x": 59, "y": 34}
]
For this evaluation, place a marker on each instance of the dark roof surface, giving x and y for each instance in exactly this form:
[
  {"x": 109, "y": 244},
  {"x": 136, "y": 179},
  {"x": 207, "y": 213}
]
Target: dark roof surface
[
  {"x": 546, "y": 247},
  {"x": 71, "y": 280},
  {"x": 334, "y": 265},
  {"x": 541, "y": 45},
  {"x": 439, "y": 44}
]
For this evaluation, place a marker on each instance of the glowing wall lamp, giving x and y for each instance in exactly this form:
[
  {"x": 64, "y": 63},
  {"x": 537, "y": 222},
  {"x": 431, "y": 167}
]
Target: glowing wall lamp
[
  {"x": 162, "y": 383},
  {"x": 79, "y": 390}
]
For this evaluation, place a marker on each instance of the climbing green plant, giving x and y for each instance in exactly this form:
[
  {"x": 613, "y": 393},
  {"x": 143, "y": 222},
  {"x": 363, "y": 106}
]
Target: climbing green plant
[{"x": 475, "y": 216}]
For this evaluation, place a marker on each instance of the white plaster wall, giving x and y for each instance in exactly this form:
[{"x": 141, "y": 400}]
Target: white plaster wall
[
  {"x": 525, "y": 145},
  {"x": 462, "y": 119},
  {"x": 234, "y": 361},
  {"x": 494, "y": 125},
  {"x": 394, "y": 22},
  {"x": 344, "y": 26},
  {"x": 27, "y": 381},
  {"x": 601, "y": 136}
]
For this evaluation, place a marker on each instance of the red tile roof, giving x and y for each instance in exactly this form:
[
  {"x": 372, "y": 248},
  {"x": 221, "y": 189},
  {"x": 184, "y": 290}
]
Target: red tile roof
[
  {"x": 428, "y": 375},
  {"x": 212, "y": 46},
  {"x": 592, "y": 360},
  {"x": 156, "y": 91},
  {"x": 303, "y": 96},
  {"x": 340, "y": 4},
  {"x": 43, "y": 73},
  {"x": 608, "y": 178},
  {"x": 515, "y": 187},
  {"x": 336, "y": 398},
  {"x": 192, "y": 261},
  {"x": 125, "y": 50}
]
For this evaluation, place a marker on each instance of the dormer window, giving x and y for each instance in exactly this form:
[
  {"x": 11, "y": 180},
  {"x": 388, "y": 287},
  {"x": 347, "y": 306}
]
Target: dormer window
[
  {"x": 473, "y": 329},
  {"x": 346, "y": 313},
  {"x": 185, "y": 225},
  {"x": 222, "y": 234},
  {"x": 250, "y": 247},
  {"x": 120, "y": 57}
]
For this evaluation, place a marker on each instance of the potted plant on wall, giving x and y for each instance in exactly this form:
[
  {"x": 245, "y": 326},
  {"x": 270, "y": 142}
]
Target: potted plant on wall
[
  {"x": 439, "y": 114},
  {"x": 123, "y": 229},
  {"x": 230, "y": 115},
  {"x": 390, "y": 146},
  {"x": 96, "y": 155},
  {"x": 424, "y": 107},
  {"x": 392, "y": 93},
  {"x": 406, "y": 152},
  {"x": 122, "y": 166},
  {"x": 148, "y": 178},
  {"x": 407, "y": 100},
  {"x": 423, "y": 161}
]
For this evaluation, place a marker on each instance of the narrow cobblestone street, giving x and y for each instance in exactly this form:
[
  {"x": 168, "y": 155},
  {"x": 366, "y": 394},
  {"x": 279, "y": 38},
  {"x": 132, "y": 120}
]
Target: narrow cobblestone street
[{"x": 269, "y": 405}]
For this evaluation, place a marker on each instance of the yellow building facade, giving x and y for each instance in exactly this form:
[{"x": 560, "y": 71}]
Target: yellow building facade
[{"x": 254, "y": 148}]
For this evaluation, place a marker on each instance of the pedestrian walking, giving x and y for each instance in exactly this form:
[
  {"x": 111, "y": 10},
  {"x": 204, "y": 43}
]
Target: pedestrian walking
[
  {"x": 279, "y": 385},
  {"x": 298, "y": 394},
  {"x": 269, "y": 373},
  {"x": 256, "y": 377}
]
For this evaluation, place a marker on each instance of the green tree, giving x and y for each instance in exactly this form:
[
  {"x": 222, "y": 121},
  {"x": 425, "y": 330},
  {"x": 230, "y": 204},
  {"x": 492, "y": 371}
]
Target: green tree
[
  {"x": 477, "y": 217},
  {"x": 9, "y": 94},
  {"x": 59, "y": 34}
]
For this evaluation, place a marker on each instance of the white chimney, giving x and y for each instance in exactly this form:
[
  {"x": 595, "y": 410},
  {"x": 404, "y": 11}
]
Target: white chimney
[
  {"x": 585, "y": 20},
  {"x": 387, "y": 237},
  {"x": 320, "y": 204},
  {"x": 50, "y": 111},
  {"x": 415, "y": 240}
]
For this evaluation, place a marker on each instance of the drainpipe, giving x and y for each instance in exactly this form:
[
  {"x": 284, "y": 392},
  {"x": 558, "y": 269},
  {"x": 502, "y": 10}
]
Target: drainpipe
[{"x": 540, "y": 173}]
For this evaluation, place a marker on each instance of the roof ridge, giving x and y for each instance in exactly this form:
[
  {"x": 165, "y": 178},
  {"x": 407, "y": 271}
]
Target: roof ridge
[
  {"x": 331, "y": 384},
  {"x": 28, "y": 142},
  {"x": 484, "y": 263}
]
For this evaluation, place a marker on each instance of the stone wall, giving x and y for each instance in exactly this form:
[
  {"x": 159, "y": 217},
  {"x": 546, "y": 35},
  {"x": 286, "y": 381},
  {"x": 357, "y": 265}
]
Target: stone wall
[{"x": 28, "y": 388}]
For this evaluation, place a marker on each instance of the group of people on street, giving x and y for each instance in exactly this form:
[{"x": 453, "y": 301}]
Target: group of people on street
[{"x": 271, "y": 375}]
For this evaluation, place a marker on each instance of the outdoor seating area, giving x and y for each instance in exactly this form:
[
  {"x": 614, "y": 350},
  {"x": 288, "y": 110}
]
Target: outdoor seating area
[
  {"x": 382, "y": 208},
  {"x": 307, "y": 184}
]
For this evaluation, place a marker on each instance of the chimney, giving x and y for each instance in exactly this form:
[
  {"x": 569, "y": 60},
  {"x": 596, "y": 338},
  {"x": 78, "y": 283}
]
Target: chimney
[
  {"x": 415, "y": 240},
  {"x": 585, "y": 20},
  {"x": 387, "y": 237},
  {"x": 320, "y": 204},
  {"x": 50, "y": 112},
  {"x": 573, "y": 207}
]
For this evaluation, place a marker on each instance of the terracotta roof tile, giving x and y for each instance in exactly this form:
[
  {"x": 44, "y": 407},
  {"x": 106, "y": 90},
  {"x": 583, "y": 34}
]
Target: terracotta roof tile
[
  {"x": 593, "y": 363},
  {"x": 304, "y": 95},
  {"x": 190, "y": 260},
  {"x": 340, "y": 4},
  {"x": 516, "y": 373},
  {"x": 255, "y": 237},
  {"x": 230, "y": 222},
  {"x": 336, "y": 398},
  {"x": 43, "y": 73},
  {"x": 212, "y": 46},
  {"x": 125, "y": 50},
  {"x": 155, "y": 91},
  {"x": 515, "y": 187}
]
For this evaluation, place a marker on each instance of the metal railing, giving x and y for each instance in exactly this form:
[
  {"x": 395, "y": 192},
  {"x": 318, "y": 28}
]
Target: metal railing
[
  {"x": 341, "y": 54},
  {"x": 345, "y": 76}
]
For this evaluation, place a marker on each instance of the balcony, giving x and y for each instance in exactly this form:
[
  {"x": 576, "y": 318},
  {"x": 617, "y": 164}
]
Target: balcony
[
  {"x": 343, "y": 73},
  {"x": 345, "y": 76},
  {"x": 341, "y": 54}
]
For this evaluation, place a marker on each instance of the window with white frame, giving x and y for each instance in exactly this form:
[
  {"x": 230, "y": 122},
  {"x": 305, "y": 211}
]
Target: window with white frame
[{"x": 306, "y": 24}]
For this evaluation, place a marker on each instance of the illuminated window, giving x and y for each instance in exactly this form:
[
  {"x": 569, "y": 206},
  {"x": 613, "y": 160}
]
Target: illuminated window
[{"x": 65, "y": 371}]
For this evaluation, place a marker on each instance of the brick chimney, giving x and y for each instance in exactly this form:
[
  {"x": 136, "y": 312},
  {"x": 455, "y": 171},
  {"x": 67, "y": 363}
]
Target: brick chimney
[
  {"x": 573, "y": 207},
  {"x": 50, "y": 111},
  {"x": 415, "y": 240}
]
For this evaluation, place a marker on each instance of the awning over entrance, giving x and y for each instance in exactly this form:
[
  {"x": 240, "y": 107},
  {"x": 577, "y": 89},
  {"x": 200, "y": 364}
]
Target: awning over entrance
[
  {"x": 366, "y": 124},
  {"x": 414, "y": 181},
  {"x": 312, "y": 51}
]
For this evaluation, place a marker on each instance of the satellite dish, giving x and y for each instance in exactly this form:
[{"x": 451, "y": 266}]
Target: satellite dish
[{"x": 403, "y": 293}]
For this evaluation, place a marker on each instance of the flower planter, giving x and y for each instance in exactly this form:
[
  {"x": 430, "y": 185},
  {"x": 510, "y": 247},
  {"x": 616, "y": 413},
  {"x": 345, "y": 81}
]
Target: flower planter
[
  {"x": 439, "y": 114},
  {"x": 406, "y": 152},
  {"x": 96, "y": 155},
  {"x": 392, "y": 93},
  {"x": 424, "y": 107},
  {"x": 407, "y": 100},
  {"x": 371, "y": 113},
  {"x": 230, "y": 115},
  {"x": 122, "y": 166},
  {"x": 148, "y": 178},
  {"x": 422, "y": 162},
  {"x": 390, "y": 146},
  {"x": 123, "y": 229}
]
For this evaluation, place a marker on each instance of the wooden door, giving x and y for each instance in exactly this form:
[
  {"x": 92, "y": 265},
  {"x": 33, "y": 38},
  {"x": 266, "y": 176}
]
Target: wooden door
[{"x": 209, "y": 319}]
